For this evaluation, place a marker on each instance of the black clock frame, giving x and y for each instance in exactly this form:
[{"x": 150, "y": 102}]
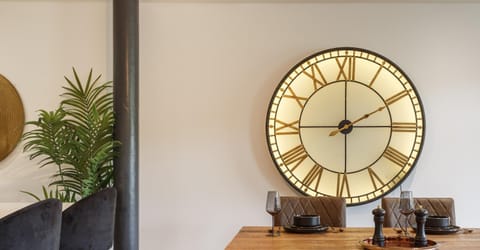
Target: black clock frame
[{"x": 345, "y": 121}]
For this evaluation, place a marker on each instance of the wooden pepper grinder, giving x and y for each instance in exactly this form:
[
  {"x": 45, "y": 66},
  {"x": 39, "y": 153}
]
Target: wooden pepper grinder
[
  {"x": 420, "y": 217},
  {"x": 378, "y": 218}
]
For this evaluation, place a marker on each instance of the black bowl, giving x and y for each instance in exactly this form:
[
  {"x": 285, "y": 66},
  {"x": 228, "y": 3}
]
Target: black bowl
[
  {"x": 437, "y": 221},
  {"x": 306, "y": 220}
]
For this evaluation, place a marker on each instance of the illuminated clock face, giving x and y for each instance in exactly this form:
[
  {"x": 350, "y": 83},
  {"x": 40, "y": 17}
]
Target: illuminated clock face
[{"x": 345, "y": 122}]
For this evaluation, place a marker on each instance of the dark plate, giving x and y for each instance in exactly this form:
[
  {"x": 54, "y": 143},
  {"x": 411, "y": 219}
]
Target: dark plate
[
  {"x": 441, "y": 230},
  {"x": 397, "y": 243},
  {"x": 305, "y": 230}
]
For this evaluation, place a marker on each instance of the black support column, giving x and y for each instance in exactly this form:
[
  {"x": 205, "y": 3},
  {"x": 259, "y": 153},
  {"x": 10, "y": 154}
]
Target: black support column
[{"x": 125, "y": 90}]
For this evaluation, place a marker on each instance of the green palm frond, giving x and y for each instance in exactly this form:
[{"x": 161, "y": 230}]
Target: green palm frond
[
  {"x": 63, "y": 196},
  {"x": 77, "y": 137},
  {"x": 48, "y": 140}
]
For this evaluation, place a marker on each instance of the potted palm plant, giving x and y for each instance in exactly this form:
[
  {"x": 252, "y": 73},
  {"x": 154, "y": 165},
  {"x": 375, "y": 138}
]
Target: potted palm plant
[{"x": 76, "y": 139}]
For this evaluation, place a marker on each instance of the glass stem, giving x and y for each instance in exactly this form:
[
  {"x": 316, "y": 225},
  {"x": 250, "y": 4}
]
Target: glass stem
[
  {"x": 406, "y": 224},
  {"x": 273, "y": 224}
]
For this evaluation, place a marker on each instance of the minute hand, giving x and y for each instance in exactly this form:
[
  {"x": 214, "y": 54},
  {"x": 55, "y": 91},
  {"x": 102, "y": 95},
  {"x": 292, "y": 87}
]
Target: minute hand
[{"x": 346, "y": 126}]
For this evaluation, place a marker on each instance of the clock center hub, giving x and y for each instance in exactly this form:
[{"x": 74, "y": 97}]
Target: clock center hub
[{"x": 345, "y": 123}]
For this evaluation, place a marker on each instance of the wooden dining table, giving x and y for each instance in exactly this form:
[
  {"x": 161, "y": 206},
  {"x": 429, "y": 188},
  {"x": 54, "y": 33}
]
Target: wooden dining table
[{"x": 256, "y": 237}]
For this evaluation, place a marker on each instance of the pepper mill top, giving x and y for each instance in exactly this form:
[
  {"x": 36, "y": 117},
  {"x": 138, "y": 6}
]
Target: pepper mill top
[
  {"x": 421, "y": 212},
  {"x": 377, "y": 212}
]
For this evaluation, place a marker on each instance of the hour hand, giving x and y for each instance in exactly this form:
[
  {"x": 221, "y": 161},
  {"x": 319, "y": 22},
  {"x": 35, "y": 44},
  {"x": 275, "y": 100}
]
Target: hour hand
[
  {"x": 334, "y": 132},
  {"x": 346, "y": 126}
]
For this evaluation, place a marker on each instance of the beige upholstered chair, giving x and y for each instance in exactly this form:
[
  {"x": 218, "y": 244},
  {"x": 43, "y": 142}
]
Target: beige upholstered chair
[
  {"x": 331, "y": 210},
  {"x": 434, "y": 206}
]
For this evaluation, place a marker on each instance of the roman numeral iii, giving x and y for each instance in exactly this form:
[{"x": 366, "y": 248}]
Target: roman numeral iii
[
  {"x": 396, "y": 156},
  {"x": 404, "y": 127}
]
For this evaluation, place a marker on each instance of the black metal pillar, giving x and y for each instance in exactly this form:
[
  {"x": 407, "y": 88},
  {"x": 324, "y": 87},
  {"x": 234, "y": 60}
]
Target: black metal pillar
[{"x": 125, "y": 91}]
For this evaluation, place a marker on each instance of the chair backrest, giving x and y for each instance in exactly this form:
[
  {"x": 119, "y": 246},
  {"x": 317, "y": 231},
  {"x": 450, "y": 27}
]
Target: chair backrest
[
  {"x": 89, "y": 223},
  {"x": 332, "y": 210},
  {"x": 434, "y": 206},
  {"x": 36, "y": 226}
]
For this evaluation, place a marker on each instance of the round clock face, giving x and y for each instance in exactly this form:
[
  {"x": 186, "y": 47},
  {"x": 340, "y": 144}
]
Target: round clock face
[{"x": 345, "y": 122}]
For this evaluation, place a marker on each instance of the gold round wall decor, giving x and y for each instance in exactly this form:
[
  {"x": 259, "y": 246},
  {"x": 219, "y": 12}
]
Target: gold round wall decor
[{"x": 12, "y": 117}]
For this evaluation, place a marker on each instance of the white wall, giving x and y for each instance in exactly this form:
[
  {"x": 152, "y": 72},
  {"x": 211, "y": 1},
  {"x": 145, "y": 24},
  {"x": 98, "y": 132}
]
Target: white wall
[
  {"x": 207, "y": 72},
  {"x": 40, "y": 43}
]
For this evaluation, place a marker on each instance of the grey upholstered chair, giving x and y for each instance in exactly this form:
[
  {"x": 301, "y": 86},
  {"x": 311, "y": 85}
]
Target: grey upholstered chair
[
  {"x": 434, "y": 206},
  {"x": 36, "y": 226},
  {"x": 89, "y": 223},
  {"x": 332, "y": 210}
]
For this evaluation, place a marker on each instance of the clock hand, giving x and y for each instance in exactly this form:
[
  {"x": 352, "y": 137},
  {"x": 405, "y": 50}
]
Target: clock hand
[{"x": 346, "y": 126}]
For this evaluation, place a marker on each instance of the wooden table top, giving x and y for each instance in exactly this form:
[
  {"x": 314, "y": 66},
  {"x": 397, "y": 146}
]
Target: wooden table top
[{"x": 256, "y": 238}]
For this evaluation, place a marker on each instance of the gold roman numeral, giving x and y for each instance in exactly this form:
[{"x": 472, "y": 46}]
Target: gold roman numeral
[
  {"x": 375, "y": 179},
  {"x": 317, "y": 76},
  {"x": 314, "y": 174},
  {"x": 287, "y": 128},
  {"x": 346, "y": 68},
  {"x": 342, "y": 184},
  {"x": 395, "y": 156},
  {"x": 380, "y": 67},
  {"x": 295, "y": 156},
  {"x": 404, "y": 127},
  {"x": 397, "y": 97},
  {"x": 299, "y": 99}
]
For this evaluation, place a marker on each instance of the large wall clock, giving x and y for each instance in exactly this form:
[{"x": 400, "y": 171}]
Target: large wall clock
[{"x": 345, "y": 122}]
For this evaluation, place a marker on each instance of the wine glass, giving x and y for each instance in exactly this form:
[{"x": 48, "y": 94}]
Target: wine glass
[
  {"x": 406, "y": 208},
  {"x": 273, "y": 208}
]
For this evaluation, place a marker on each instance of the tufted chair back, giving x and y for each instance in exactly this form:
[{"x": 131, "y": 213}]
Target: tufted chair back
[
  {"x": 332, "y": 210},
  {"x": 434, "y": 206}
]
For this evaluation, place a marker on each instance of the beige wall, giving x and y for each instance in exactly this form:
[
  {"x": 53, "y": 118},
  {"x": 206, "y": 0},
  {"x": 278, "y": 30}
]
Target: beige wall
[
  {"x": 40, "y": 43},
  {"x": 207, "y": 72}
]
